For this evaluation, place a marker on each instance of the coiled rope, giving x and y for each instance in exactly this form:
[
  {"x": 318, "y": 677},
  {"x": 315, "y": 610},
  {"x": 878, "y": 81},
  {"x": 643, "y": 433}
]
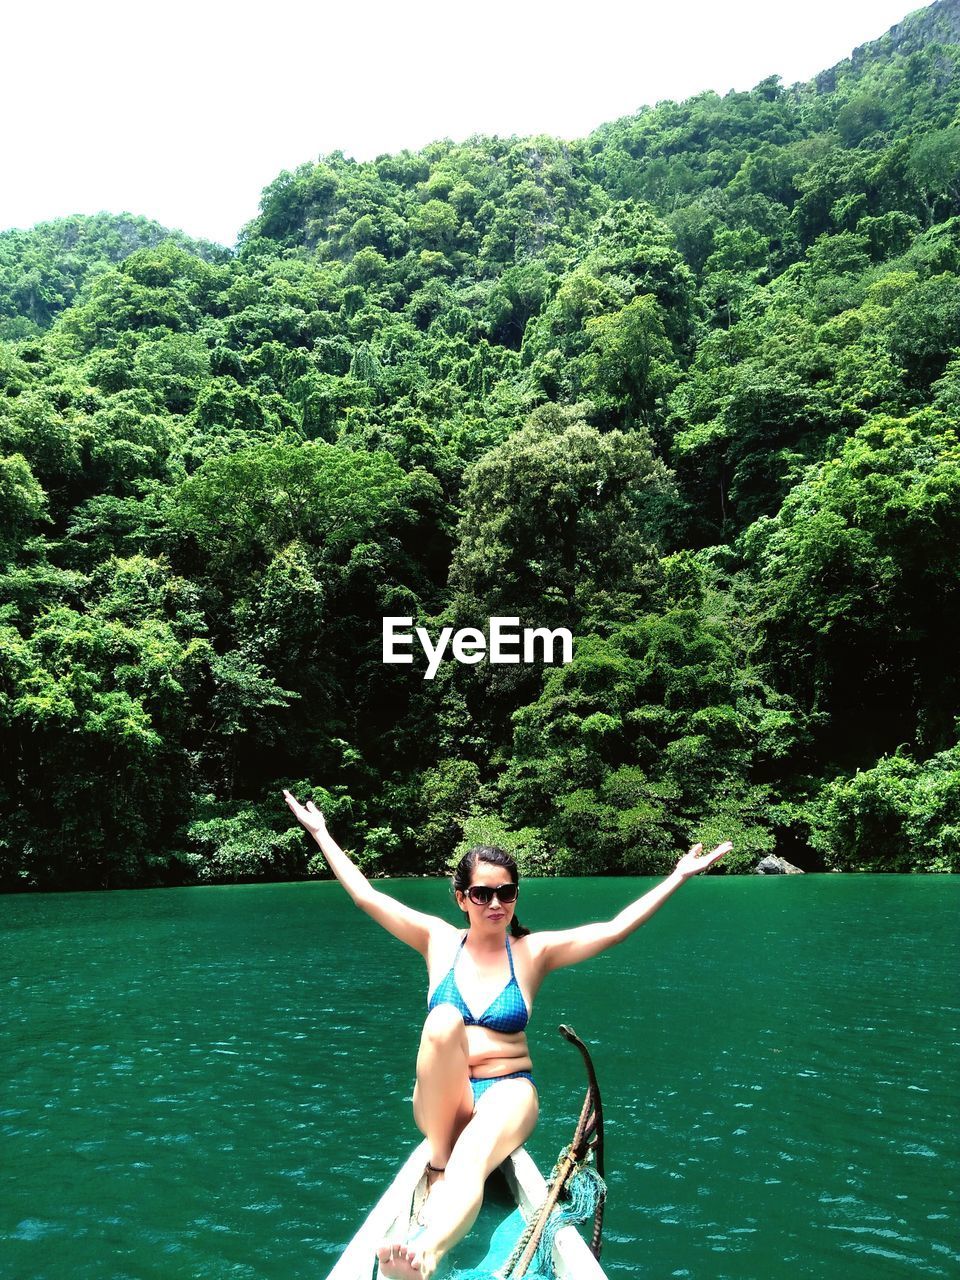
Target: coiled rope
[{"x": 575, "y": 1192}]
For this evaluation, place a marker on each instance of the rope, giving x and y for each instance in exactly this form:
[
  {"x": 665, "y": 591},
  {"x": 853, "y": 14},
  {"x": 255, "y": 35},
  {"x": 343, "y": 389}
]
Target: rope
[
  {"x": 583, "y": 1192},
  {"x": 587, "y": 1190}
]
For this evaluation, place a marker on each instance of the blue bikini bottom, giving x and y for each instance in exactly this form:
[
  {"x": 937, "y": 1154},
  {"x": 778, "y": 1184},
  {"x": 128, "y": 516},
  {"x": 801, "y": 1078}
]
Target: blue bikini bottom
[{"x": 480, "y": 1087}]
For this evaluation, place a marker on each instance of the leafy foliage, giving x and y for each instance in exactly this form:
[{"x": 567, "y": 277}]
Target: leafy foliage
[
  {"x": 689, "y": 386},
  {"x": 898, "y": 816}
]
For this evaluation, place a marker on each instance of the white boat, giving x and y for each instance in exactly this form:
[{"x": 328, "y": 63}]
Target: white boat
[{"x": 572, "y": 1259}]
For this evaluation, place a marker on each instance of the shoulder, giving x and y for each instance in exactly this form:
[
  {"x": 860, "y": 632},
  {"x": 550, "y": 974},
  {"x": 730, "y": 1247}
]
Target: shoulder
[
  {"x": 531, "y": 943},
  {"x": 445, "y": 940},
  {"x": 530, "y": 948},
  {"x": 446, "y": 934}
]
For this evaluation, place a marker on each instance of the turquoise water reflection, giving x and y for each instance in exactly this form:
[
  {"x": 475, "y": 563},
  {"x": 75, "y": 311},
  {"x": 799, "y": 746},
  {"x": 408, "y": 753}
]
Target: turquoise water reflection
[{"x": 211, "y": 1082}]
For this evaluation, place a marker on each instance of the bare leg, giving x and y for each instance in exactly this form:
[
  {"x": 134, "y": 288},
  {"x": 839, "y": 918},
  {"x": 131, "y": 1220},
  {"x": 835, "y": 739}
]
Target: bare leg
[
  {"x": 505, "y": 1118},
  {"x": 442, "y": 1101}
]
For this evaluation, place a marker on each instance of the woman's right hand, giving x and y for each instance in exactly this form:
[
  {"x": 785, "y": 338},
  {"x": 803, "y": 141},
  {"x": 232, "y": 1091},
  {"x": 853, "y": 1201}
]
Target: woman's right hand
[
  {"x": 308, "y": 815},
  {"x": 696, "y": 860}
]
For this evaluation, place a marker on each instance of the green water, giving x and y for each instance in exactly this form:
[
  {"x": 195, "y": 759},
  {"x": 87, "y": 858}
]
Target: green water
[{"x": 216, "y": 1082}]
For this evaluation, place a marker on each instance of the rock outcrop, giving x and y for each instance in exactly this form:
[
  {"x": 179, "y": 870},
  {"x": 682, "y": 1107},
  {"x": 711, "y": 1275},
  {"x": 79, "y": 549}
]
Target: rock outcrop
[{"x": 774, "y": 866}]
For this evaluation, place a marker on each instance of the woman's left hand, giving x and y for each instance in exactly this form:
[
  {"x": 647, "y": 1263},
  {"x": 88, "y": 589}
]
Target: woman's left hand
[
  {"x": 307, "y": 814},
  {"x": 696, "y": 860}
]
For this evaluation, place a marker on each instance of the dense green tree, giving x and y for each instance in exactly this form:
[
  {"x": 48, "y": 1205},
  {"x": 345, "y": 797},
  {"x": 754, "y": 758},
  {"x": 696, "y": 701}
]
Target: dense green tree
[
  {"x": 557, "y": 512},
  {"x": 22, "y": 503},
  {"x": 935, "y": 165},
  {"x": 641, "y": 744},
  {"x": 859, "y": 587},
  {"x": 900, "y": 815},
  {"x": 688, "y": 386},
  {"x": 99, "y": 702},
  {"x": 633, "y": 366}
]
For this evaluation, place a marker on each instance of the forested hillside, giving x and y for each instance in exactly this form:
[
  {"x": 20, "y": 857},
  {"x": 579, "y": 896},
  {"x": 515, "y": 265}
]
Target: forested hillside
[{"x": 689, "y": 386}]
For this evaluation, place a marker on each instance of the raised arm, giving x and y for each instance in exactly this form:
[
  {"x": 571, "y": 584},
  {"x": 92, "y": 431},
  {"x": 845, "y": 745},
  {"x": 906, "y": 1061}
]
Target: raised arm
[
  {"x": 557, "y": 948},
  {"x": 410, "y": 926}
]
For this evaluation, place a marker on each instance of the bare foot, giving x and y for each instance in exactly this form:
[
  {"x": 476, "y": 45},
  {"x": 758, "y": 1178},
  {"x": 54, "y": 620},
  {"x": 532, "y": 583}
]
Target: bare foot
[{"x": 404, "y": 1262}]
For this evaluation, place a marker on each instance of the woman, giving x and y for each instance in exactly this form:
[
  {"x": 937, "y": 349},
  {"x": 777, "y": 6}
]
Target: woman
[{"x": 475, "y": 1099}]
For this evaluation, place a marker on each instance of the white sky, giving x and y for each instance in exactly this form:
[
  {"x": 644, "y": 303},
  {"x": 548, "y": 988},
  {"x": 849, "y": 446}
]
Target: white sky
[{"x": 184, "y": 110}]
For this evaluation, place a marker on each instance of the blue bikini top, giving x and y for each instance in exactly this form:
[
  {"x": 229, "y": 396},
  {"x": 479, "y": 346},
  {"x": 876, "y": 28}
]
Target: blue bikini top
[{"x": 507, "y": 1012}]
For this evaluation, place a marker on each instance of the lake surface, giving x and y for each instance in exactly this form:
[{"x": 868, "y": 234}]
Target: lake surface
[{"x": 215, "y": 1082}]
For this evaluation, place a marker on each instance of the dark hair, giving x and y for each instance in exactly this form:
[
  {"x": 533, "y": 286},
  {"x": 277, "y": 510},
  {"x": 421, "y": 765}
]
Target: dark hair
[{"x": 498, "y": 858}]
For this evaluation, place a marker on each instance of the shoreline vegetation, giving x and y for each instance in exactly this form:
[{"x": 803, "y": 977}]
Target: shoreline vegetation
[{"x": 688, "y": 388}]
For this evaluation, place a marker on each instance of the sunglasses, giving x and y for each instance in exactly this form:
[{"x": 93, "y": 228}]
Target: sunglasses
[{"x": 481, "y": 895}]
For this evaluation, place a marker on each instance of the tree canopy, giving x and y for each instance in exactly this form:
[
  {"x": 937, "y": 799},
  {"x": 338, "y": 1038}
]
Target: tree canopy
[{"x": 689, "y": 387}]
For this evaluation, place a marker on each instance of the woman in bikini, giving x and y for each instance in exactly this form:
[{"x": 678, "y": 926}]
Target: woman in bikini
[{"x": 475, "y": 1099}]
